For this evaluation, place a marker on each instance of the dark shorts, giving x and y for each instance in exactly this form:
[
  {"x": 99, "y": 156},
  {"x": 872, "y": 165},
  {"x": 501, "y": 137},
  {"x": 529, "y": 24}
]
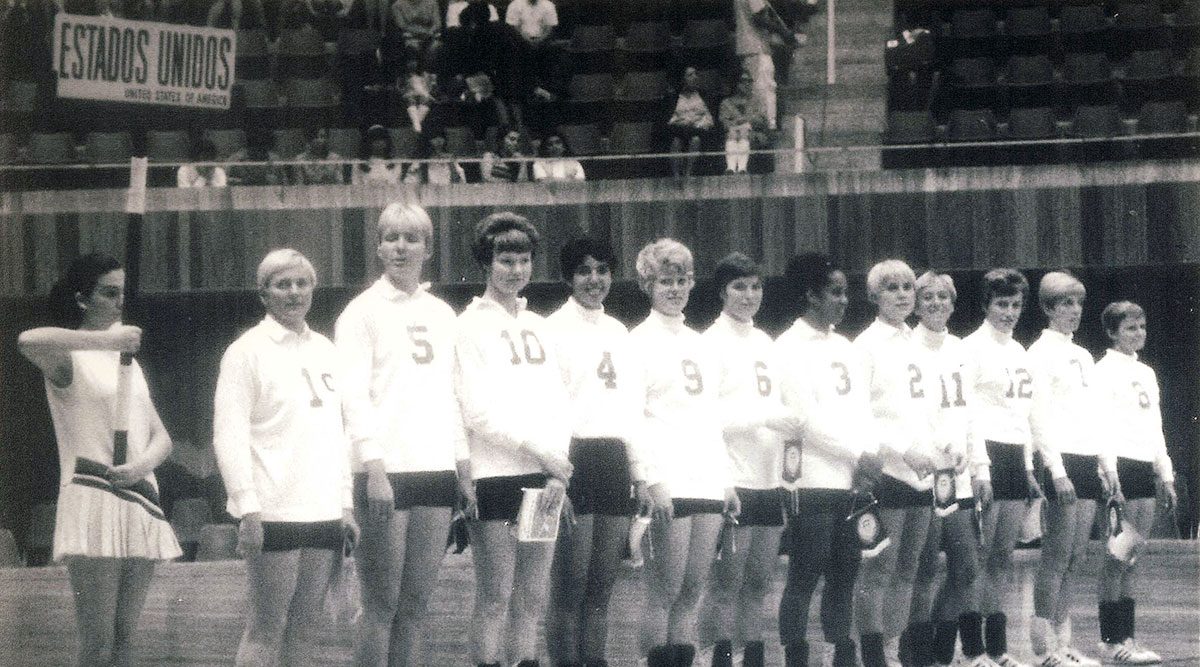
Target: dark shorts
[
  {"x": 1137, "y": 478},
  {"x": 500, "y": 497},
  {"x": 289, "y": 535},
  {"x": 1083, "y": 472},
  {"x": 895, "y": 494},
  {"x": 1008, "y": 471},
  {"x": 414, "y": 489},
  {"x": 760, "y": 507},
  {"x": 601, "y": 483},
  {"x": 685, "y": 507}
]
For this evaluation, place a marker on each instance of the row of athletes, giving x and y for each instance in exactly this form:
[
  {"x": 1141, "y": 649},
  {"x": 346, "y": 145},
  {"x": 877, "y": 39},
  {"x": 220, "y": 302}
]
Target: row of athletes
[{"x": 412, "y": 411}]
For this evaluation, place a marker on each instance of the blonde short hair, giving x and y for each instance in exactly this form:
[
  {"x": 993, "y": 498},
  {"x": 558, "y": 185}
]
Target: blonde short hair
[
  {"x": 888, "y": 268},
  {"x": 932, "y": 280},
  {"x": 660, "y": 256},
  {"x": 280, "y": 260},
  {"x": 401, "y": 214},
  {"x": 1057, "y": 285}
]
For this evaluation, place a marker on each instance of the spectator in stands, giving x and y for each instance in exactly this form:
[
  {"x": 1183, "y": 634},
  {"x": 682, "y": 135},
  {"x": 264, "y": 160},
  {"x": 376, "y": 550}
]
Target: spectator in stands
[
  {"x": 481, "y": 108},
  {"x": 691, "y": 124},
  {"x": 555, "y": 165},
  {"x": 745, "y": 123},
  {"x": 316, "y": 173},
  {"x": 378, "y": 167},
  {"x": 417, "y": 24},
  {"x": 260, "y": 153},
  {"x": 534, "y": 22},
  {"x": 755, "y": 23},
  {"x": 419, "y": 89},
  {"x": 444, "y": 170},
  {"x": 472, "y": 38},
  {"x": 229, "y": 13},
  {"x": 507, "y": 163},
  {"x": 201, "y": 176}
]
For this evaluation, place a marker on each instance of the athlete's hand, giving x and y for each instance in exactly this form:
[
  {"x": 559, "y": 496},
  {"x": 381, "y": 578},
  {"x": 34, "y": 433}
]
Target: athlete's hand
[
  {"x": 1033, "y": 490},
  {"x": 1166, "y": 494},
  {"x": 553, "y": 493},
  {"x": 662, "y": 507},
  {"x": 1064, "y": 490},
  {"x": 867, "y": 472},
  {"x": 921, "y": 463},
  {"x": 350, "y": 531},
  {"x": 1112, "y": 487},
  {"x": 641, "y": 493},
  {"x": 124, "y": 338},
  {"x": 733, "y": 504},
  {"x": 468, "y": 501},
  {"x": 381, "y": 498},
  {"x": 960, "y": 463},
  {"x": 250, "y": 535},
  {"x": 557, "y": 466},
  {"x": 982, "y": 488},
  {"x": 127, "y": 474}
]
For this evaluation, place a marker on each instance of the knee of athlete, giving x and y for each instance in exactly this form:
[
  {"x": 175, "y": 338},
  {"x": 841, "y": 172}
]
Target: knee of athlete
[
  {"x": 267, "y": 628},
  {"x": 690, "y": 590}
]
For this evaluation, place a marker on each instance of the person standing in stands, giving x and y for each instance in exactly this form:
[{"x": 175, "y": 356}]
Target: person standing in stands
[
  {"x": 997, "y": 372},
  {"x": 935, "y": 612},
  {"x": 397, "y": 346},
  {"x": 748, "y": 394},
  {"x": 1061, "y": 420},
  {"x": 1137, "y": 469},
  {"x": 901, "y": 383},
  {"x": 283, "y": 455},
  {"x": 824, "y": 386},
  {"x": 755, "y": 24},
  {"x": 109, "y": 526},
  {"x": 603, "y": 385},
  {"x": 534, "y": 22},
  {"x": 691, "y": 478},
  {"x": 516, "y": 411},
  {"x": 745, "y": 124}
]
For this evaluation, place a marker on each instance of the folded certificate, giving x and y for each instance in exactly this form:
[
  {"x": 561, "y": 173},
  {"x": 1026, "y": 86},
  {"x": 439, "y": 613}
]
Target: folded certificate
[{"x": 535, "y": 524}]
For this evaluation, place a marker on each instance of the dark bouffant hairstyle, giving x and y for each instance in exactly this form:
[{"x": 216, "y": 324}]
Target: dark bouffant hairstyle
[
  {"x": 503, "y": 232},
  {"x": 81, "y": 278},
  {"x": 1003, "y": 282},
  {"x": 809, "y": 272},
  {"x": 577, "y": 250},
  {"x": 731, "y": 267}
]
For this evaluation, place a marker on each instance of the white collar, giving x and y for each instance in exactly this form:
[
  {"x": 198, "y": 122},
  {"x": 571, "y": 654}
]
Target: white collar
[
  {"x": 390, "y": 292},
  {"x": 279, "y": 333}
]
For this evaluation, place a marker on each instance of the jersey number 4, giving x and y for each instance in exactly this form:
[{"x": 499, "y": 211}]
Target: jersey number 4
[{"x": 607, "y": 372}]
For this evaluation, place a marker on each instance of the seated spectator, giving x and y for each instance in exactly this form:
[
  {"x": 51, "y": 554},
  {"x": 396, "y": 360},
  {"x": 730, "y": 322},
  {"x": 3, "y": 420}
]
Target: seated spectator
[
  {"x": 416, "y": 25},
  {"x": 201, "y": 175},
  {"x": 691, "y": 124},
  {"x": 445, "y": 170},
  {"x": 481, "y": 108},
  {"x": 318, "y": 174},
  {"x": 507, "y": 163},
  {"x": 419, "y": 90},
  {"x": 746, "y": 126},
  {"x": 377, "y": 167},
  {"x": 534, "y": 22},
  {"x": 260, "y": 149},
  {"x": 229, "y": 13},
  {"x": 555, "y": 164}
]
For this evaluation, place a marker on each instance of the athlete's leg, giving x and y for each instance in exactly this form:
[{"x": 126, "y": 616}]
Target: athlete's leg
[
  {"x": 531, "y": 590},
  {"x": 719, "y": 620},
  {"x": 494, "y": 549},
  {"x": 136, "y": 574},
  {"x": 95, "y": 583},
  {"x": 701, "y": 551},
  {"x": 569, "y": 576},
  {"x": 665, "y": 564},
  {"x": 380, "y": 557},
  {"x": 306, "y": 611},
  {"x": 425, "y": 546},
  {"x": 271, "y": 580},
  {"x": 609, "y": 534}
]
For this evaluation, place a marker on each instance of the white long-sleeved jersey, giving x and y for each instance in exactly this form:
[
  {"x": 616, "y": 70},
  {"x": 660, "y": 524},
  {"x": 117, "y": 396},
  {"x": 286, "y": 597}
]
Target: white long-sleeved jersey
[
  {"x": 822, "y": 382},
  {"x": 748, "y": 396},
  {"x": 510, "y": 389},
  {"x": 902, "y": 381},
  {"x": 681, "y": 429},
  {"x": 950, "y": 428},
  {"x": 1063, "y": 412},
  {"x": 277, "y": 426},
  {"x": 602, "y": 379},
  {"x": 1002, "y": 388},
  {"x": 1129, "y": 416},
  {"x": 398, "y": 380}
]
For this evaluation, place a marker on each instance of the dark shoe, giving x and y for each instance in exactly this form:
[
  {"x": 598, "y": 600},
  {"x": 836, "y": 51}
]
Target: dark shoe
[
  {"x": 753, "y": 655},
  {"x": 722, "y": 655}
]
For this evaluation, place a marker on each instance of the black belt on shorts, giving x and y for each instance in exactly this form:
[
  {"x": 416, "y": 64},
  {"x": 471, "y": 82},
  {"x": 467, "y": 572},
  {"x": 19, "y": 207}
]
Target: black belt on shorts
[{"x": 95, "y": 475}]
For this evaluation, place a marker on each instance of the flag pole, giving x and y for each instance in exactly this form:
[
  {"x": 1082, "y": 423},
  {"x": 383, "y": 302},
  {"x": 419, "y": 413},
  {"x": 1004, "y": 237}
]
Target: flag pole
[{"x": 135, "y": 206}]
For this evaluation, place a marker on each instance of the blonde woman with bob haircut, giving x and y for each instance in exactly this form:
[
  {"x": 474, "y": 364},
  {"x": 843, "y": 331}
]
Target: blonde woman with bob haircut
[
  {"x": 284, "y": 458},
  {"x": 691, "y": 479},
  {"x": 1061, "y": 419},
  {"x": 406, "y": 437}
]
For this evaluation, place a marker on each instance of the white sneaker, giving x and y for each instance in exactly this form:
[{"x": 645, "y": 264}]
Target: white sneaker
[
  {"x": 1078, "y": 658},
  {"x": 1007, "y": 660},
  {"x": 891, "y": 652},
  {"x": 1052, "y": 659},
  {"x": 981, "y": 660},
  {"x": 1127, "y": 653}
]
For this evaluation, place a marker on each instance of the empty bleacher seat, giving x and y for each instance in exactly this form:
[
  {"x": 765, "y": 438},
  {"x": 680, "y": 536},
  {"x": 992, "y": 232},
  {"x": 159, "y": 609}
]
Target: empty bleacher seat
[
  {"x": 583, "y": 139},
  {"x": 253, "y": 55},
  {"x": 289, "y": 142},
  {"x": 1083, "y": 28},
  {"x": 909, "y": 127},
  {"x": 1089, "y": 79},
  {"x": 1031, "y": 123},
  {"x": 1029, "y": 81},
  {"x": 312, "y": 103},
  {"x": 971, "y": 125},
  {"x": 1102, "y": 120},
  {"x": 227, "y": 141},
  {"x": 646, "y": 45},
  {"x": 405, "y": 142},
  {"x": 1028, "y": 29},
  {"x": 589, "y": 97},
  {"x": 262, "y": 101},
  {"x": 167, "y": 145},
  {"x": 1165, "y": 118},
  {"x": 707, "y": 43},
  {"x": 51, "y": 148},
  {"x": 302, "y": 54},
  {"x": 592, "y": 48},
  {"x": 17, "y": 106},
  {"x": 347, "y": 141},
  {"x": 10, "y": 556},
  {"x": 1139, "y": 25},
  {"x": 641, "y": 96},
  {"x": 974, "y": 31}
]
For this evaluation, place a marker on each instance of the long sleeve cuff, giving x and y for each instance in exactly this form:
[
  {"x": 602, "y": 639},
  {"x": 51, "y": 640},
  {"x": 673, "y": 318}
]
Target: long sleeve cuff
[
  {"x": 243, "y": 502},
  {"x": 1058, "y": 470},
  {"x": 368, "y": 449},
  {"x": 982, "y": 472}
]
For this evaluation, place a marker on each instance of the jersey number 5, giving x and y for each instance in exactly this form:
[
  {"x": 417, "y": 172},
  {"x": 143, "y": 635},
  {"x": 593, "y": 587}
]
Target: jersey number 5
[{"x": 424, "y": 353}]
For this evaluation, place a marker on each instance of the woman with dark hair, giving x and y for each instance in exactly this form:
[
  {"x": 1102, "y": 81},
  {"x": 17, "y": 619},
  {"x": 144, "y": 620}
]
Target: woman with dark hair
[
  {"x": 825, "y": 389},
  {"x": 748, "y": 394},
  {"x": 515, "y": 409},
  {"x": 377, "y": 166},
  {"x": 555, "y": 164},
  {"x": 602, "y": 383},
  {"x": 997, "y": 371},
  {"x": 260, "y": 149},
  {"x": 682, "y": 433},
  {"x": 109, "y": 526},
  {"x": 507, "y": 164},
  {"x": 691, "y": 123},
  {"x": 285, "y": 461},
  {"x": 1137, "y": 470}
]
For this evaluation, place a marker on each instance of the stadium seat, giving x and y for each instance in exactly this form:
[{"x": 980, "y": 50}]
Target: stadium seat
[
  {"x": 347, "y": 141},
  {"x": 289, "y": 142},
  {"x": 592, "y": 48},
  {"x": 355, "y": 42},
  {"x": 405, "y": 142},
  {"x": 1093, "y": 121},
  {"x": 971, "y": 125},
  {"x": 707, "y": 44},
  {"x": 218, "y": 541},
  {"x": 1028, "y": 29},
  {"x": 10, "y": 556},
  {"x": 1083, "y": 28},
  {"x": 632, "y": 138},
  {"x": 460, "y": 140},
  {"x": 227, "y": 141},
  {"x": 1029, "y": 81},
  {"x": 973, "y": 82},
  {"x": 302, "y": 54},
  {"x": 51, "y": 148},
  {"x": 1187, "y": 24},
  {"x": 589, "y": 96},
  {"x": 253, "y": 56},
  {"x": 974, "y": 32},
  {"x": 641, "y": 96},
  {"x": 909, "y": 127},
  {"x": 646, "y": 45},
  {"x": 1139, "y": 25},
  {"x": 1089, "y": 79},
  {"x": 583, "y": 140},
  {"x": 262, "y": 101},
  {"x": 1031, "y": 123},
  {"x": 167, "y": 145},
  {"x": 109, "y": 147},
  {"x": 312, "y": 103},
  {"x": 8, "y": 148},
  {"x": 17, "y": 106},
  {"x": 1162, "y": 118}
]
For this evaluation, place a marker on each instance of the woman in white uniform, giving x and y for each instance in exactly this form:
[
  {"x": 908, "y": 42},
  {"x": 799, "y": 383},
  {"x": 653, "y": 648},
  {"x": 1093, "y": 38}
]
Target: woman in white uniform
[
  {"x": 603, "y": 385},
  {"x": 690, "y": 466},
  {"x": 1137, "y": 467},
  {"x": 515, "y": 410},
  {"x": 109, "y": 528},
  {"x": 747, "y": 388},
  {"x": 283, "y": 455},
  {"x": 397, "y": 345}
]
